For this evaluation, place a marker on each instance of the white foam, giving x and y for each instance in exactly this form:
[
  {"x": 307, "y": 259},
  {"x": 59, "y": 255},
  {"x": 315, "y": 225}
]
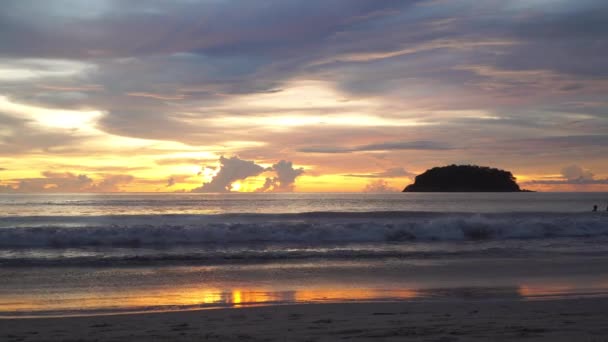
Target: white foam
[{"x": 309, "y": 228}]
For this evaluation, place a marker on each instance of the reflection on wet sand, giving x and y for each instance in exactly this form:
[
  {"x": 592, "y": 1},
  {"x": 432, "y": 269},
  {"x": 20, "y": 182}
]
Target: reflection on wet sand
[
  {"x": 556, "y": 290},
  {"x": 243, "y": 297},
  {"x": 543, "y": 290},
  {"x": 320, "y": 295},
  {"x": 176, "y": 298},
  {"x": 179, "y": 298}
]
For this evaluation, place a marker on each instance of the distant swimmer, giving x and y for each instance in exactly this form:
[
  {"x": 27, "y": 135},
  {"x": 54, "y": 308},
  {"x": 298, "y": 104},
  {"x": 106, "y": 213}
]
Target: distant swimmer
[{"x": 594, "y": 208}]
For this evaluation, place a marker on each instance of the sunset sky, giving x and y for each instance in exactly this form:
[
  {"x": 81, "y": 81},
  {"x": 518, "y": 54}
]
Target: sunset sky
[{"x": 315, "y": 95}]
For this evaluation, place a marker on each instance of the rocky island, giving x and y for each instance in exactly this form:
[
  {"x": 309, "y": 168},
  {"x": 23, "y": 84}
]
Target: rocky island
[{"x": 464, "y": 178}]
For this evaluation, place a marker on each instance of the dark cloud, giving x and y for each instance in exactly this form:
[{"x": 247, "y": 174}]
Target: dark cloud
[
  {"x": 379, "y": 185},
  {"x": 170, "y": 182},
  {"x": 234, "y": 169},
  {"x": 286, "y": 173},
  {"x": 231, "y": 170},
  {"x": 569, "y": 141},
  {"x": 386, "y": 146},
  {"x": 21, "y": 137},
  {"x": 111, "y": 183},
  {"x": 111, "y": 28},
  {"x": 175, "y": 179},
  {"x": 285, "y": 179},
  {"x": 69, "y": 182},
  {"x": 146, "y": 125},
  {"x": 567, "y": 33},
  {"x": 568, "y": 182},
  {"x": 572, "y": 87},
  {"x": 390, "y": 173},
  {"x": 573, "y": 175}
]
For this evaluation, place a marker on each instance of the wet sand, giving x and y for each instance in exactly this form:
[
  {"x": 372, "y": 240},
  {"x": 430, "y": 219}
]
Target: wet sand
[{"x": 459, "y": 320}]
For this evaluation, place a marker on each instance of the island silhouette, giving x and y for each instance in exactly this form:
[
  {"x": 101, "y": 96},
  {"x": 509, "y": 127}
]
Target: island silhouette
[{"x": 464, "y": 178}]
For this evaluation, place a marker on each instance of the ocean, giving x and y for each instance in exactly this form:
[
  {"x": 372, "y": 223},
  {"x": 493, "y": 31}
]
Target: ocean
[{"x": 78, "y": 254}]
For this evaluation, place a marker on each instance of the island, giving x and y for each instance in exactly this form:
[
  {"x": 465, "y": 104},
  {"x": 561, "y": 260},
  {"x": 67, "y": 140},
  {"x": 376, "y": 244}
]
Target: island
[{"x": 464, "y": 178}]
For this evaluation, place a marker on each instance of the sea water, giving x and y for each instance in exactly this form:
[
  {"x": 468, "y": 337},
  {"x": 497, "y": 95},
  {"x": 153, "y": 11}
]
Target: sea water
[{"x": 105, "y": 253}]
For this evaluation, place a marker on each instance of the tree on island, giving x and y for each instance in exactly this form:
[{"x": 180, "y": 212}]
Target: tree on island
[{"x": 464, "y": 178}]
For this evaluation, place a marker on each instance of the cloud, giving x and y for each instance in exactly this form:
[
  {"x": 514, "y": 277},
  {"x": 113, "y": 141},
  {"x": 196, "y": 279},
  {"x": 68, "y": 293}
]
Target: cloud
[
  {"x": 56, "y": 182},
  {"x": 231, "y": 170},
  {"x": 386, "y": 146},
  {"x": 6, "y": 189},
  {"x": 576, "y": 173},
  {"x": 268, "y": 185},
  {"x": 19, "y": 136},
  {"x": 170, "y": 182},
  {"x": 111, "y": 183},
  {"x": 379, "y": 185},
  {"x": 568, "y": 182},
  {"x": 285, "y": 179},
  {"x": 99, "y": 169},
  {"x": 572, "y": 87},
  {"x": 222, "y": 28},
  {"x": 286, "y": 174},
  {"x": 157, "y": 96},
  {"x": 175, "y": 75},
  {"x": 175, "y": 179},
  {"x": 234, "y": 169},
  {"x": 62, "y": 182},
  {"x": 397, "y": 172},
  {"x": 572, "y": 175},
  {"x": 34, "y": 69},
  {"x": 180, "y": 161}
]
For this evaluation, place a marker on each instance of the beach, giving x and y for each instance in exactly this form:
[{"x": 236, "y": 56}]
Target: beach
[
  {"x": 453, "y": 267},
  {"x": 582, "y": 319},
  {"x": 282, "y": 170}
]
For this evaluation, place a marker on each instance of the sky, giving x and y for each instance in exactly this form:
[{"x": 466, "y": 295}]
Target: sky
[{"x": 284, "y": 95}]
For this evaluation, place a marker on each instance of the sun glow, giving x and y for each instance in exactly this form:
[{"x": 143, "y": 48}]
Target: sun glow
[
  {"x": 301, "y": 94},
  {"x": 54, "y": 118},
  {"x": 299, "y": 120},
  {"x": 236, "y": 186}
]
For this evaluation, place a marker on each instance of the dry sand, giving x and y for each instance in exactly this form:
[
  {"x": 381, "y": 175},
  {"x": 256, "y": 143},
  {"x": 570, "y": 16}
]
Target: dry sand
[{"x": 504, "y": 320}]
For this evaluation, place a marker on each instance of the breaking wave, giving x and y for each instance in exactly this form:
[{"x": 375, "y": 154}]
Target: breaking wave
[{"x": 310, "y": 228}]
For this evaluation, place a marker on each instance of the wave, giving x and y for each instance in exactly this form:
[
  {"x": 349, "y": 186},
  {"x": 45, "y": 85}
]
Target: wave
[
  {"x": 312, "y": 228},
  {"x": 216, "y": 257}
]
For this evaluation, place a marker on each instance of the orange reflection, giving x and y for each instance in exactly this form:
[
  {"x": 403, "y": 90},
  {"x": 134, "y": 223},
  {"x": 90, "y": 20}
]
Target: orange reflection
[
  {"x": 236, "y": 297},
  {"x": 244, "y": 297},
  {"x": 174, "y": 298},
  {"x": 589, "y": 288},
  {"x": 319, "y": 295},
  {"x": 542, "y": 290}
]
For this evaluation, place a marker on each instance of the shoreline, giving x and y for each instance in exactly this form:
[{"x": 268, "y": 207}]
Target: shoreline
[
  {"x": 85, "y": 291},
  {"x": 458, "y": 320},
  {"x": 451, "y": 298}
]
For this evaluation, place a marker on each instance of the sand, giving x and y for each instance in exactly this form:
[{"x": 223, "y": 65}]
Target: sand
[{"x": 501, "y": 320}]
